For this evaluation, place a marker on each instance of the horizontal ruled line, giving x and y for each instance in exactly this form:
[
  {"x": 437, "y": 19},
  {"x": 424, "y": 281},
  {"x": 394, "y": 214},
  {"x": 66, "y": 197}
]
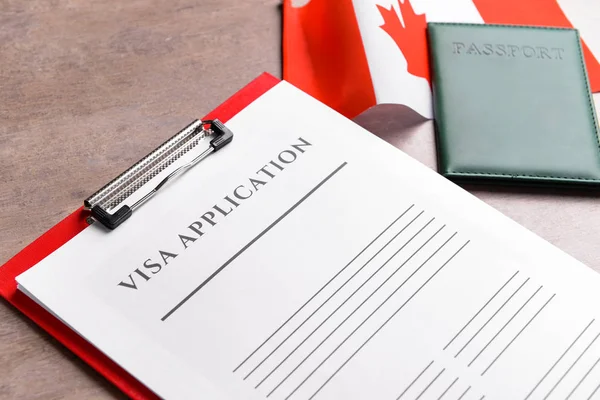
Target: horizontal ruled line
[{"x": 247, "y": 246}]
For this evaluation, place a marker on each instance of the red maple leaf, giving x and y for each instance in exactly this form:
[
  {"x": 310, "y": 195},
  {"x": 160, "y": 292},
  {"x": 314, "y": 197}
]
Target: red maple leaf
[{"x": 410, "y": 38}]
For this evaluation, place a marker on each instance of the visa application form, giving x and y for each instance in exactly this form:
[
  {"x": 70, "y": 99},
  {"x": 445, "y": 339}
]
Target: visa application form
[{"x": 309, "y": 259}]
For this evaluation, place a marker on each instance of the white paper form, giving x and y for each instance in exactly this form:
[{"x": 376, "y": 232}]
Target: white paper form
[{"x": 311, "y": 260}]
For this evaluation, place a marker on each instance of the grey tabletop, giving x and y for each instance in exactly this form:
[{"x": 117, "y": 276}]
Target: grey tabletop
[{"x": 86, "y": 89}]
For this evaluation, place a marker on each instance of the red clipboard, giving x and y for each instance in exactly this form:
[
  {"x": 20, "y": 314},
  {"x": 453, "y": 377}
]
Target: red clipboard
[{"x": 66, "y": 230}]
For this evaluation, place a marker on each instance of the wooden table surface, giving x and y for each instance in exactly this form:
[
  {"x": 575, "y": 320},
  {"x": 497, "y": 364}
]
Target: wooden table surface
[{"x": 87, "y": 88}]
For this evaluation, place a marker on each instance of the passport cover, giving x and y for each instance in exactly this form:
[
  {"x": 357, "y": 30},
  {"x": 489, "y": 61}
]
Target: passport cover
[{"x": 512, "y": 104}]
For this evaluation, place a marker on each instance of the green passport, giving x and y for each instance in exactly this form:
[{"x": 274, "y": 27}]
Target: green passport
[{"x": 512, "y": 104}]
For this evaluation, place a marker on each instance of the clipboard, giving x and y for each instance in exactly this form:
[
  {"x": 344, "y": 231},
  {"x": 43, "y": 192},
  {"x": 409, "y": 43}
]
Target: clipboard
[{"x": 68, "y": 228}]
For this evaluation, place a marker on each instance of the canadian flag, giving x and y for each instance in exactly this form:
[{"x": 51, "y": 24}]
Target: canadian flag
[{"x": 353, "y": 54}]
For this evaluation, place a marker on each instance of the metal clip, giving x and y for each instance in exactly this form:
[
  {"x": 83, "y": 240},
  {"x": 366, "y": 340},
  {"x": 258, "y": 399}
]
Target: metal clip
[{"x": 102, "y": 203}]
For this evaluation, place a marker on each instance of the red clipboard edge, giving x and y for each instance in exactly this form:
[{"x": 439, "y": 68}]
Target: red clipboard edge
[{"x": 64, "y": 231}]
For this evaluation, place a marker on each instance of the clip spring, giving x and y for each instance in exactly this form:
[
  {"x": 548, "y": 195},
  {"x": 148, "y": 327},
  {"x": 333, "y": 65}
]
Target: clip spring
[{"x": 102, "y": 203}]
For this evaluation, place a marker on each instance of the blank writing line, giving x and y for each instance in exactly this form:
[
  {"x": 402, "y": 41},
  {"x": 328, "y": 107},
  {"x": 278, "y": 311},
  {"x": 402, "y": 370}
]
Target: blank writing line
[
  {"x": 582, "y": 379},
  {"x": 329, "y": 298},
  {"x": 572, "y": 365},
  {"x": 243, "y": 249},
  {"x": 480, "y": 310},
  {"x": 504, "y": 326},
  {"x": 518, "y": 334},
  {"x": 367, "y": 318},
  {"x": 414, "y": 380},
  {"x": 430, "y": 383},
  {"x": 448, "y": 388},
  {"x": 321, "y": 289},
  {"x": 594, "y": 392},
  {"x": 379, "y": 329},
  {"x": 465, "y": 392},
  {"x": 492, "y": 317},
  {"x": 355, "y": 310},
  {"x": 559, "y": 359},
  {"x": 342, "y": 304}
]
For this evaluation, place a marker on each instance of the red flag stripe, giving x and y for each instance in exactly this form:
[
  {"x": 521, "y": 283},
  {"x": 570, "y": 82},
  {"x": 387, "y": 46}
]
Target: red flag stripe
[
  {"x": 324, "y": 56},
  {"x": 538, "y": 13}
]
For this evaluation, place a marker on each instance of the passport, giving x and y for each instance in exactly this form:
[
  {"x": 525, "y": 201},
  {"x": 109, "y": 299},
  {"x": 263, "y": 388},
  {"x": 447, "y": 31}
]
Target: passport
[{"x": 512, "y": 104}]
